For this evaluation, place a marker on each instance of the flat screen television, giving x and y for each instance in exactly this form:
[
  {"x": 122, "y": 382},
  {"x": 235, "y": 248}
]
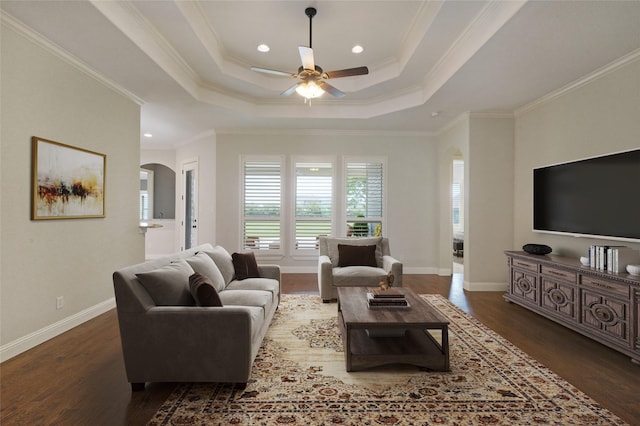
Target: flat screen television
[{"x": 595, "y": 197}]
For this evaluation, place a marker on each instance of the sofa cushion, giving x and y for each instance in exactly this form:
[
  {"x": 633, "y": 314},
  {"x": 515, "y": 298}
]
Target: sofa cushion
[
  {"x": 356, "y": 255},
  {"x": 245, "y": 265},
  {"x": 334, "y": 255},
  {"x": 223, "y": 261},
  {"x": 169, "y": 285},
  {"x": 204, "y": 264},
  {"x": 255, "y": 298},
  {"x": 265, "y": 284},
  {"x": 203, "y": 290}
]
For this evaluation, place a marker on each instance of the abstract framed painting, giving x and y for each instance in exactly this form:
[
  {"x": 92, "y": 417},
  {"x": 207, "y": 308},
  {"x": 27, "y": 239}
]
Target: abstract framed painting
[{"x": 67, "y": 182}]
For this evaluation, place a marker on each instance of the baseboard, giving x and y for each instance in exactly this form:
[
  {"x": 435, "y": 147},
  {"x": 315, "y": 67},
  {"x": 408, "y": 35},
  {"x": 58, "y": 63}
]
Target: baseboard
[
  {"x": 314, "y": 270},
  {"x": 469, "y": 286},
  {"x": 423, "y": 270},
  {"x": 299, "y": 269},
  {"x": 32, "y": 340}
]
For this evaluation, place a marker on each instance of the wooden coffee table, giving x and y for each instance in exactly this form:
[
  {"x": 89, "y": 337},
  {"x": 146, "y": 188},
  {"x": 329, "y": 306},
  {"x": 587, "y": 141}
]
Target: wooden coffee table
[{"x": 374, "y": 337}]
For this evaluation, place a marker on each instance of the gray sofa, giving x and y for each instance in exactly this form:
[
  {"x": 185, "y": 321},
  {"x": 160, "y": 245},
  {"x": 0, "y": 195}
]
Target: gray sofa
[
  {"x": 331, "y": 275},
  {"x": 166, "y": 337}
]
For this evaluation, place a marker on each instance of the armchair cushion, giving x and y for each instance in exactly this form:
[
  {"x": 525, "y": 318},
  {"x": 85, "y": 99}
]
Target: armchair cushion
[
  {"x": 204, "y": 265},
  {"x": 169, "y": 285},
  {"x": 245, "y": 265},
  {"x": 203, "y": 290},
  {"x": 356, "y": 255}
]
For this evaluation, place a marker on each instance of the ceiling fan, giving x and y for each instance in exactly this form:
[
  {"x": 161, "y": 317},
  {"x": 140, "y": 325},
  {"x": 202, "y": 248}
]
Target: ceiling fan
[{"x": 313, "y": 78}]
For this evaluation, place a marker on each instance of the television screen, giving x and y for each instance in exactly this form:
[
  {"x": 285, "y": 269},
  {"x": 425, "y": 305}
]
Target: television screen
[{"x": 594, "y": 197}]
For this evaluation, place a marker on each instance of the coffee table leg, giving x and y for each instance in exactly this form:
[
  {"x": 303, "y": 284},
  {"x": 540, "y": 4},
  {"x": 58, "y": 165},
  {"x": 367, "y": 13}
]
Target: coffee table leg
[
  {"x": 347, "y": 347},
  {"x": 445, "y": 346}
]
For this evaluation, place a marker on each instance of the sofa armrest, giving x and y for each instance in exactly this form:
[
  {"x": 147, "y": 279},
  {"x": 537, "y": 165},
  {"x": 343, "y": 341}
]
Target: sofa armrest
[
  {"x": 170, "y": 343},
  {"x": 389, "y": 264},
  {"x": 269, "y": 271},
  {"x": 325, "y": 277}
]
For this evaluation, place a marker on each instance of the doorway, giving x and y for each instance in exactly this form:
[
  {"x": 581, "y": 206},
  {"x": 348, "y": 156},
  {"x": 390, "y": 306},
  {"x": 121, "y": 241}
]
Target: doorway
[
  {"x": 457, "y": 215},
  {"x": 190, "y": 204}
]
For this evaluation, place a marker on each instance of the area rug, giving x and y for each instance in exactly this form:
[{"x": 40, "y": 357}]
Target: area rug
[{"x": 299, "y": 378}]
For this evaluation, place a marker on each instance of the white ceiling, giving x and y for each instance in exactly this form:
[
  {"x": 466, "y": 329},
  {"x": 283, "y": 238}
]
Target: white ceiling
[{"x": 189, "y": 61}]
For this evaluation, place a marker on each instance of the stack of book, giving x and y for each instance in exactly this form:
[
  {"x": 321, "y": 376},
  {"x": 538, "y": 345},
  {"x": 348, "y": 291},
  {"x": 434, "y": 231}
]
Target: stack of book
[
  {"x": 390, "y": 298},
  {"x": 612, "y": 258}
]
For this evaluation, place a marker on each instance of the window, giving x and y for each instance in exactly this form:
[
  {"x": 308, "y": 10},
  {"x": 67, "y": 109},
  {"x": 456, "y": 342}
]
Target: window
[
  {"x": 146, "y": 184},
  {"x": 457, "y": 197},
  {"x": 313, "y": 203},
  {"x": 262, "y": 203},
  {"x": 364, "y": 198}
]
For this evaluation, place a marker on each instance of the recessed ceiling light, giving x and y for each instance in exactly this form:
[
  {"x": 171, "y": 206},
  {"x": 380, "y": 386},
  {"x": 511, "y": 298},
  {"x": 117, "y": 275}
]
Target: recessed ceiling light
[
  {"x": 148, "y": 135},
  {"x": 435, "y": 113},
  {"x": 263, "y": 48},
  {"x": 357, "y": 49}
]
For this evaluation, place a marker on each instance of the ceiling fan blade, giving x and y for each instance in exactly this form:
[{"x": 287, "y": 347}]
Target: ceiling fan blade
[
  {"x": 306, "y": 56},
  {"x": 290, "y": 90},
  {"x": 330, "y": 89},
  {"x": 274, "y": 72},
  {"x": 347, "y": 72}
]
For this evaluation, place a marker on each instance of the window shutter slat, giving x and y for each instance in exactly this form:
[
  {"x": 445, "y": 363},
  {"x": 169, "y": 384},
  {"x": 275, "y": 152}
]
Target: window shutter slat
[{"x": 262, "y": 205}]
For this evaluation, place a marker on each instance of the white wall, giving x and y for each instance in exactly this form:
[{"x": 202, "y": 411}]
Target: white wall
[
  {"x": 164, "y": 240},
  {"x": 46, "y": 96},
  {"x": 489, "y": 202},
  {"x": 203, "y": 150},
  {"x": 592, "y": 119},
  {"x": 453, "y": 142},
  {"x": 486, "y": 145},
  {"x": 412, "y": 206}
]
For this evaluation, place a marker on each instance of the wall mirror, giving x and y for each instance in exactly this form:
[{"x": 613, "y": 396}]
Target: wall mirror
[{"x": 157, "y": 192}]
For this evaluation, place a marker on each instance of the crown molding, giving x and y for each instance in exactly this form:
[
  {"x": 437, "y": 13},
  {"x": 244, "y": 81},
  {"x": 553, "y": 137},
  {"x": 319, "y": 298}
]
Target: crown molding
[
  {"x": 485, "y": 25},
  {"x": 588, "y": 79},
  {"x": 23, "y": 30},
  {"x": 128, "y": 19},
  {"x": 322, "y": 132}
]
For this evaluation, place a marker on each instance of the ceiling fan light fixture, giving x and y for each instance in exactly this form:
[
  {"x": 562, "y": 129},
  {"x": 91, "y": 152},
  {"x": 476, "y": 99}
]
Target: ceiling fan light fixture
[{"x": 309, "y": 90}]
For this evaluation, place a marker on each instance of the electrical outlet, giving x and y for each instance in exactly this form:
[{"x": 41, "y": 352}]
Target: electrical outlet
[{"x": 59, "y": 302}]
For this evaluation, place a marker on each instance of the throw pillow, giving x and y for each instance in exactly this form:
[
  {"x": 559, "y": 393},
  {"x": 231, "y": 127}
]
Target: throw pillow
[
  {"x": 223, "y": 261},
  {"x": 169, "y": 285},
  {"x": 203, "y": 290},
  {"x": 203, "y": 264},
  {"x": 356, "y": 255},
  {"x": 332, "y": 246},
  {"x": 245, "y": 265}
]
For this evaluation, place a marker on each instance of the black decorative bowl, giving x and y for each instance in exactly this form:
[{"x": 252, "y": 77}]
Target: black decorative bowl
[{"x": 537, "y": 249}]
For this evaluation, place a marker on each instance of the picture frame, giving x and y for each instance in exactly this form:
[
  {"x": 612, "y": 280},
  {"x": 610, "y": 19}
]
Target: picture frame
[{"x": 67, "y": 182}]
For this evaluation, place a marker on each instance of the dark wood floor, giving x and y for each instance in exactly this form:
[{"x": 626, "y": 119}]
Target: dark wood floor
[{"x": 78, "y": 378}]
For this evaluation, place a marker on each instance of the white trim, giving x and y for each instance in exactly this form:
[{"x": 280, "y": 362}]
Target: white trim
[
  {"x": 602, "y": 72},
  {"x": 322, "y": 132},
  {"x": 425, "y": 270},
  {"x": 66, "y": 56},
  {"x": 471, "y": 286},
  {"x": 32, "y": 340}
]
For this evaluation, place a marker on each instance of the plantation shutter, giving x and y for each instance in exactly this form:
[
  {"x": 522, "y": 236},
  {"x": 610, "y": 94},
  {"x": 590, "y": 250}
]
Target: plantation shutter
[
  {"x": 313, "y": 203},
  {"x": 262, "y": 205},
  {"x": 365, "y": 185}
]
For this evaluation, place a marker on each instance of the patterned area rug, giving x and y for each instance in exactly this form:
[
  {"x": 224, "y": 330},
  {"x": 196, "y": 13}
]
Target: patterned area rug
[{"x": 299, "y": 378}]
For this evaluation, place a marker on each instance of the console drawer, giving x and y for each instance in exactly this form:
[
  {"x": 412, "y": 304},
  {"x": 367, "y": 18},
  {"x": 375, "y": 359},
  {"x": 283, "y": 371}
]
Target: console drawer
[
  {"x": 608, "y": 287},
  {"x": 523, "y": 264},
  {"x": 558, "y": 273}
]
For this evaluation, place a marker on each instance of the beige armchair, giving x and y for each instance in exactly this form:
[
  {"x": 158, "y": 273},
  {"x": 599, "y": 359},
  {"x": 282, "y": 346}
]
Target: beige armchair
[{"x": 356, "y": 269}]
